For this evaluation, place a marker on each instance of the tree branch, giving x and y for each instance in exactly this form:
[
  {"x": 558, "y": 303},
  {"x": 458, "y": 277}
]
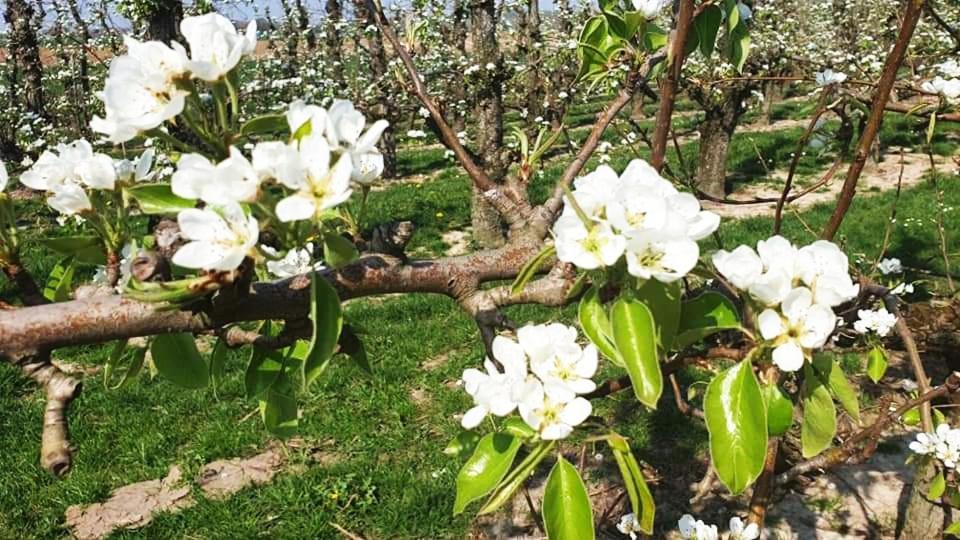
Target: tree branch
[
  {"x": 912, "y": 12},
  {"x": 668, "y": 87}
]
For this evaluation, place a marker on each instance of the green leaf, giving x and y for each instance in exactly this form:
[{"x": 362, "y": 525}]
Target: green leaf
[
  {"x": 596, "y": 324},
  {"x": 326, "y": 316},
  {"x": 218, "y": 363},
  {"x": 779, "y": 410},
  {"x": 512, "y": 482},
  {"x": 486, "y": 467},
  {"x": 158, "y": 199},
  {"x": 819, "y": 414},
  {"x": 953, "y": 529},
  {"x": 531, "y": 268},
  {"x": 654, "y": 39},
  {"x": 462, "y": 445},
  {"x": 693, "y": 41},
  {"x": 634, "y": 334},
  {"x": 176, "y": 358},
  {"x": 338, "y": 251},
  {"x": 304, "y": 130},
  {"x": 352, "y": 346},
  {"x": 127, "y": 372},
  {"x": 737, "y": 423},
  {"x": 267, "y": 123},
  {"x": 518, "y": 428},
  {"x": 876, "y": 363},
  {"x": 85, "y": 249},
  {"x": 707, "y": 25},
  {"x": 733, "y": 14},
  {"x": 739, "y": 46},
  {"x": 707, "y": 314},
  {"x": 566, "y": 506},
  {"x": 911, "y": 417},
  {"x": 937, "y": 487},
  {"x": 832, "y": 374},
  {"x": 264, "y": 365},
  {"x": 663, "y": 299},
  {"x": 278, "y": 407},
  {"x": 641, "y": 500},
  {"x": 59, "y": 283}
]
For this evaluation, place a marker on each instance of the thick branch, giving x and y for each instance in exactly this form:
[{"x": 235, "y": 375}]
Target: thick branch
[
  {"x": 914, "y": 8},
  {"x": 105, "y": 318}
]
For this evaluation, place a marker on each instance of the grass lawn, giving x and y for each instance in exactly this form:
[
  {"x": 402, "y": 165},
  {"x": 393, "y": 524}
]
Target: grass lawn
[{"x": 386, "y": 431}]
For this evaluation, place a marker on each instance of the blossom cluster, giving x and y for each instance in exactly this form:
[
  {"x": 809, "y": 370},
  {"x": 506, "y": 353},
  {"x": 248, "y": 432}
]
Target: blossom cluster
[
  {"x": 879, "y": 321},
  {"x": 545, "y": 372},
  {"x": 150, "y": 83},
  {"x": 66, "y": 173},
  {"x": 692, "y": 528},
  {"x": 944, "y": 444},
  {"x": 637, "y": 215},
  {"x": 797, "y": 290},
  {"x": 948, "y": 87}
]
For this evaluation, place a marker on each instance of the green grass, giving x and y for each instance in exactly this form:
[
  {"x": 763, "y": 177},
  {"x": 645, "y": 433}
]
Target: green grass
[{"x": 389, "y": 477}]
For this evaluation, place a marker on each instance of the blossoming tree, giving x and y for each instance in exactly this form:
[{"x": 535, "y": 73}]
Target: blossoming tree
[{"x": 256, "y": 198}]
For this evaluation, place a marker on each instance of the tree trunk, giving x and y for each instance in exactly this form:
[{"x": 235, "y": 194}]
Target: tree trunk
[
  {"x": 922, "y": 518},
  {"x": 163, "y": 23},
  {"x": 378, "y": 71},
  {"x": 771, "y": 95},
  {"x": 535, "y": 90},
  {"x": 332, "y": 42},
  {"x": 714, "y": 144},
  {"x": 303, "y": 24},
  {"x": 458, "y": 38},
  {"x": 487, "y": 226},
  {"x": 26, "y": 54}
]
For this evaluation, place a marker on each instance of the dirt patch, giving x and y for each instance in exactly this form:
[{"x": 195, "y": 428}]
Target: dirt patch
[
  {"x": 130, "y": 507},
  {"x": 458, "y": 242},
  {"x": 224, "y": 477},
  {"x": 876, "y": 178}
]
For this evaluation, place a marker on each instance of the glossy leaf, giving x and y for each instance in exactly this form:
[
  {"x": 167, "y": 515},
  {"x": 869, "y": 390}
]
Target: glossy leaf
[
  {"x": 338, "y": 251},
  {"x": 59, "y": 283},
  {"x": 937, "y": 487},
  {"x": 779, "y": 410},
  {"x": 84, "y": 249},
  {"x": 876, "y": 363},
  {"x": 641, "y": 500},
  {"x": 707, "y": 314},
  {"x": 352, "y": 346},
  {"x": 953, "y": 529},
  {"x": 218, "y": 362},
  {"x": 124, "y": 363},
  {"x": 737, "y": 423},
  {"x": 278, "y": 407},
  {"x": 566, "y": 506},
  {"x": 264, "y": 365},
  {"x": 634, "y": 334},
  {"x": 596, "y": 325},
  {"x": 819, "y": 414},
  {"x": 177, "y": 359},
  {"x": 158, "y": 199},
  {"x": 515, "y": 426},
  {"x": 707, "y": 25},
  {"x": 512, "y": 482},
  {"x": 663, "y": 299},
  {"x": 832, "y": 374},
  {"x": 489, "y": 463},
  {"x": 739, "y": 46},
  {"x": 267, "y": 123},
  {"x": 462, "y": 445},
  {"x": 326, "y": 316}
]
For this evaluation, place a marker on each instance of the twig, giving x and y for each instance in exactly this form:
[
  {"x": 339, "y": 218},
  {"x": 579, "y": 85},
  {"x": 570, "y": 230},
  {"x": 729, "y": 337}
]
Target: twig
[
  {"x": 836, "y": 456},
  {"x": 911, "y": 15},
  {"x": 888, "y": 230},
  {"x": 669, "y": 84}
]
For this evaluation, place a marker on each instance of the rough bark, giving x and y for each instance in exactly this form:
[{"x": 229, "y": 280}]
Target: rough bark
[
  {"x": 534, "y": 39},
  {"x": 721, "y": 117},
  {"x": 26, "y": 54},
  {"x": 333, "y": 42},
  {"x": 922, "y": 518},
  {"x": 488, "y": 229},
  {"x": 458, "y": 40},
  {"x": 163, "y": 24},
  {"x": 771, "y": 95},
  {"x": 303, "y": 24}
]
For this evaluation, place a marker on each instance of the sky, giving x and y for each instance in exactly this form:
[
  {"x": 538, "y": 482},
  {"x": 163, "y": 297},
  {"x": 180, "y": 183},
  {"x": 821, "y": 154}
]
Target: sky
[{"x": 238, "y": 10}]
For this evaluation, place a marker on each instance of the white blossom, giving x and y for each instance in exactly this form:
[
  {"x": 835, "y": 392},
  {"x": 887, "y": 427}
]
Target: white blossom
[
  {"x": 4, "y": 178},
  {"x": 232, "y": 180},
  {"x": 554, "y": 419},
  {"x": 650, "y": 8},
  {"x": 741, "y": 531},
  {"x": 879, "y": 322},
  {"x": 215, "y": 46},
  {"x": 294, "y": 263},
  {"x": 137, "y": 170},
  {"x": 890, "y": 266},
  {"x": 320, "y": 186},
  {"x": 828, "y": 77},
  {"x": 495, "y": 392},
  {"x": 345, "y": 132},
  {"x": 220, "y": 237},
  {"x": 799, "y": 327},
  {"x": 629, "y": 525},
  {"x": 948, "y": 88},
  {"x": 64, "y": 173}
]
